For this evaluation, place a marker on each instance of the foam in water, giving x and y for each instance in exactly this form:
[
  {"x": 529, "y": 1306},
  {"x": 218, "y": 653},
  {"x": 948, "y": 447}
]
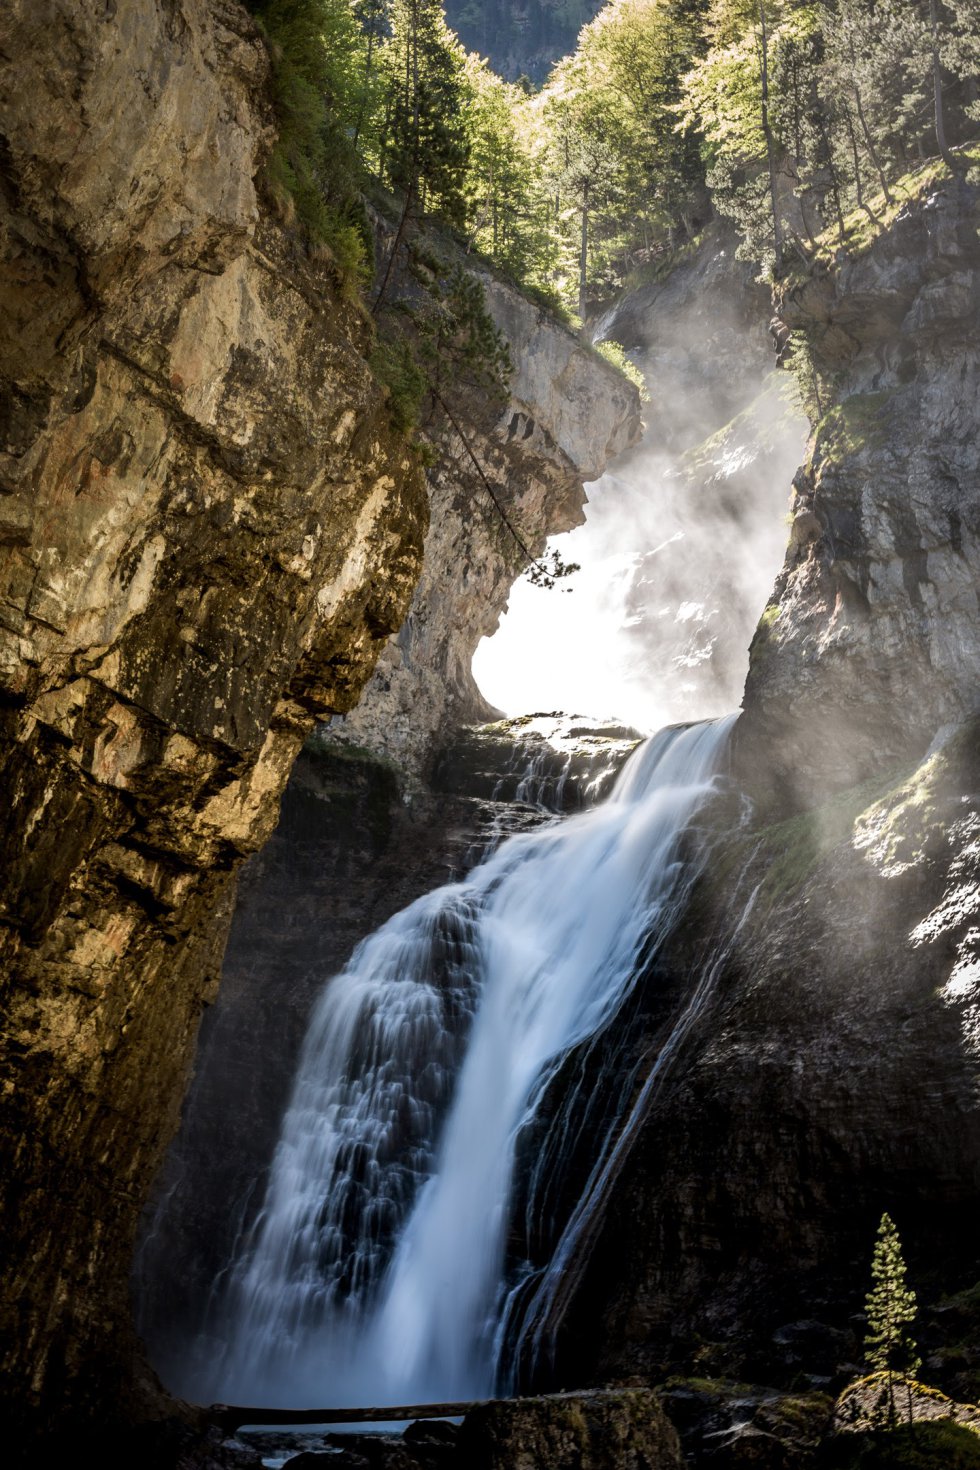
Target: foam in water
[{"x": 375, "y": 1272}]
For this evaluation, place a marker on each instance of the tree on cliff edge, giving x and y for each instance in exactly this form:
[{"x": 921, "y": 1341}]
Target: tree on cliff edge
[{"x": 891, "y": 1307}]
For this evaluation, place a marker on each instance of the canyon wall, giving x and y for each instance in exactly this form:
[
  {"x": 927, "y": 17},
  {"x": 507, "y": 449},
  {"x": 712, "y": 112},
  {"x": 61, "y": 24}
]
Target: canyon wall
[
  {"x": 209, "y": 528},
  {"x": 833, "y": 1071},
  {"x": 567, "y": 415}
]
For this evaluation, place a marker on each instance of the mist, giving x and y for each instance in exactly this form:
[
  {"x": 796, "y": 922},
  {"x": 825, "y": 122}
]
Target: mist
[{"x": 682, "y": 542}]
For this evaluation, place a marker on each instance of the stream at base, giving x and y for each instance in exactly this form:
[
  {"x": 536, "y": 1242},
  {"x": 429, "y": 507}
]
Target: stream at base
[{"x": 377, "y": 1271}]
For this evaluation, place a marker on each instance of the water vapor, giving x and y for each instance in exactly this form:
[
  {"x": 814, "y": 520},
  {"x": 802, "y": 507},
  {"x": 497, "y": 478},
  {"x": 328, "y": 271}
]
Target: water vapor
[{"x": 682, "y": 543}]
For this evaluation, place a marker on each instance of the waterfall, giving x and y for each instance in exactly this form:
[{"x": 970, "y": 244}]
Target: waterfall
[{"x": 376, "y": 1271}]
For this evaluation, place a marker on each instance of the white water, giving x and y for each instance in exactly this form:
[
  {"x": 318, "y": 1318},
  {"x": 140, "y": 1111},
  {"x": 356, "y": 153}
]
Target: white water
[{"x": 376, "y": 1271}]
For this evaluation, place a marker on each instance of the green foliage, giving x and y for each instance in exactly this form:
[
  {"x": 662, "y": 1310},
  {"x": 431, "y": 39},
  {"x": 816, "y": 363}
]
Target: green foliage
[
  {"x": 393, "y": 364},
  {"x": 810, "y": 110},
  {"x": 936, "y": 1444},
  {"x": 316, "y": 46},
  {"x": 622, "y": 179},
  {"x": 424, "y": 131},
  {"x": 506, "y": 192},
  {"x": 891, "y": 1308},
  {"x": 616, "y": 356}
]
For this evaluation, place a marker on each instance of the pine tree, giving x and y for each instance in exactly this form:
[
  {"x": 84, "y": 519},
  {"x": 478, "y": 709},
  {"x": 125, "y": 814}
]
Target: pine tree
[{"x": 889, "y": 1347}]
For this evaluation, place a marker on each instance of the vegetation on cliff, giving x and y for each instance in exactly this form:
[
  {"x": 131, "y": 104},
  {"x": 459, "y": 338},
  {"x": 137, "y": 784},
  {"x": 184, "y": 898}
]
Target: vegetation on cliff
[{"x": 800, "y": 120}]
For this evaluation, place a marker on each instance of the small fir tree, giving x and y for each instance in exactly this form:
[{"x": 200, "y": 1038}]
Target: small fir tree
[{"x": 891, "y": 1307}]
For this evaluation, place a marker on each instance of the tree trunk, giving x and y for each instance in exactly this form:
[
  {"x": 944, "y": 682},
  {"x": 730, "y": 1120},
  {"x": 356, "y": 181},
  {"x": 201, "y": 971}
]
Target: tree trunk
[
  {"x": 858, "y": 189},
  {"x": 777, "y": 229},
  {"x": 583, "y": 262},
  {"x": 952, "y": 163},
  {"x": 872, "y": 150}
]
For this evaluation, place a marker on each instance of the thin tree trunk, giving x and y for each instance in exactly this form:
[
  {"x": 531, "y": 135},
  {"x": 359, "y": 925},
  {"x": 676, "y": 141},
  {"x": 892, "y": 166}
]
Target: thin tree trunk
[
  {"x": 396, "y": 246},
  {"x": 872, "y": 150},
  {"x": 834, "y": 180},
  {"x": 858, "y": 189},
  {"x": 583, "y": 261},
  {"x": 368, "y": 69},
  {"x": 777, "y": 229},
  {"x": 952, "y": 163}
]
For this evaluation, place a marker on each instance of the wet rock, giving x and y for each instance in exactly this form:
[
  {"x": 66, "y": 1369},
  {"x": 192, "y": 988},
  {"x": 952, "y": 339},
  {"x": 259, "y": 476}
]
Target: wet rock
[
  {"x": 832, "y": 1074},
  {"x": 557, "y": 762}
]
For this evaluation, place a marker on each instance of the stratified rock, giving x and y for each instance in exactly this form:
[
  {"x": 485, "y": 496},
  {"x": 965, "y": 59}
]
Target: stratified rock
[
  {"x": 208, "y": 529},
  {"x": 614, "y": 1429},
  {"x": 561, "y": 763}
]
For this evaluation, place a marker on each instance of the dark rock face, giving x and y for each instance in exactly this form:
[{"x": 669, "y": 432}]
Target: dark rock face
[
  {"x": 208, "y": 529},
  {"x": 614, "y": 1429},
  {"x": 833, "y": 1071},
  {"x": 832, "y": 1075},
  {"x": 727, "y": 1424},
  {"x": 521, "y": 37}
]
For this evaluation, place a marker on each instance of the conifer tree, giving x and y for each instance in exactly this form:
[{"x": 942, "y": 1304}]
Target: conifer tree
[{"x": 891, "y": 1307}]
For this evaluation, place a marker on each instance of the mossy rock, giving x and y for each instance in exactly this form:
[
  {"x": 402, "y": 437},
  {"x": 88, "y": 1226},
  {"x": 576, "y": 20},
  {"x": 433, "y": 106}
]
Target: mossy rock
[
  {"x": 597, "y": 1430},
  {"x": 937, "y": 1445}
]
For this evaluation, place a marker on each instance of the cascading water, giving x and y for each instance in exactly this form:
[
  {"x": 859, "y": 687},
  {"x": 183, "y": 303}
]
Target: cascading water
[{"x": 376, "y": 1270}]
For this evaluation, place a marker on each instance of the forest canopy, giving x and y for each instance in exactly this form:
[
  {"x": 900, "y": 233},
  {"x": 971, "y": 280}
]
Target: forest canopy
[{"x": 799, "y": 120}]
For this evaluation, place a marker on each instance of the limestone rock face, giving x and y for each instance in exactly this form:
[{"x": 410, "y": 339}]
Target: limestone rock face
[
  {"x": 567, "y": 414},
  {"x": 871, "y": 641},
  {"x": 207, "y": 529}
]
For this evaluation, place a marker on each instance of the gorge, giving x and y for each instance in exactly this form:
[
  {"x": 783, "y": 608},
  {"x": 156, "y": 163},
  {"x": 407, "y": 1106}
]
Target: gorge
[{"x": 728, "y": 1006}]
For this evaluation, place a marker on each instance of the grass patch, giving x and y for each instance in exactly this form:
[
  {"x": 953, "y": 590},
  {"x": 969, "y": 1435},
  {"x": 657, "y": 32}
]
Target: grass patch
[
  {"x": 860, "y": 231},
  {"x": 857, "y": 422},
  {"x": 613, "y": 354},
  {"x": 800, "y": 843}
]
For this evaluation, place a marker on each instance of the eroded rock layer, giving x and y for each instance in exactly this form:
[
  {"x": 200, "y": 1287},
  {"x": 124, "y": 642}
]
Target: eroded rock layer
[{"x": 208, "y": 530}]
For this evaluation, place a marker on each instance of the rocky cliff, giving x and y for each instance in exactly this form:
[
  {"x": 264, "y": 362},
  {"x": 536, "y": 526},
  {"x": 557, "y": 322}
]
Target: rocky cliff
[
  {"x": 208, "y": 529},
  {"x": 870, "y": 641},
  {"x": 833, "y": 1070},
  {"x": 567, "y": 414}
]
